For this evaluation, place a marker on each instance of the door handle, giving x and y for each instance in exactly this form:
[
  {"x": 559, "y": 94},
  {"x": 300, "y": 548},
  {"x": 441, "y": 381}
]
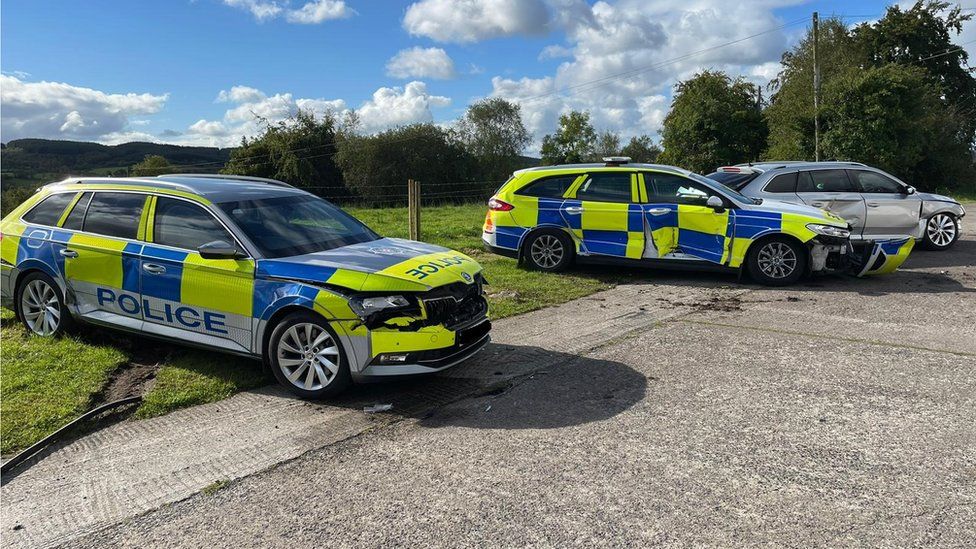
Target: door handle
[
  {"x": 152, "y": 268},
  {"x": 658, "y": 211},
  {"x": 574, "y": 209},
  {"x": 873, "y": 204},
  {"x": 818, "y": 204},
  {"x": 68, "y": 253}
]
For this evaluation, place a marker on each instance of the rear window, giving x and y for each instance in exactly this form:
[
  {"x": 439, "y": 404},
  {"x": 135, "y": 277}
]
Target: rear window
[
  {"x": 782, "y": 183},
  {"x": 115, "y": 214},
  {"x": 77, "y": 216},
  {"x": 606, "y": 187},
  {"x": 732, "y": 180},
  {"x": 824, "y": 181},
  {"x": 49, "y": 210},
  {"x": 548, "y": 187}
]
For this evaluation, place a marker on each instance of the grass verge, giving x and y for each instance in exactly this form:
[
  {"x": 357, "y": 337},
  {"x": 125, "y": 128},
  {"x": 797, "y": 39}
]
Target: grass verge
[{"x": 46, "y": 383}]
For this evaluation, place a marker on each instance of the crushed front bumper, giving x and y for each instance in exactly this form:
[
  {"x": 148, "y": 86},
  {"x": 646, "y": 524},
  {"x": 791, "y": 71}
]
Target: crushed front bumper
[
  {"x": 422, "y": 355},
  {"x": 859, "y": 257}
]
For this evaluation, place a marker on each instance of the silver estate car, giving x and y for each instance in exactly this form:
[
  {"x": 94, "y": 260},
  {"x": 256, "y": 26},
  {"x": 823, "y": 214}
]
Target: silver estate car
[{"x": 875, "y": 203}]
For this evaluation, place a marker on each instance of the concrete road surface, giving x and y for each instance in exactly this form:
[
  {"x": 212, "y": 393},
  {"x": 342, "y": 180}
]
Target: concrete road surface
[{"x": 688, "y": 410}]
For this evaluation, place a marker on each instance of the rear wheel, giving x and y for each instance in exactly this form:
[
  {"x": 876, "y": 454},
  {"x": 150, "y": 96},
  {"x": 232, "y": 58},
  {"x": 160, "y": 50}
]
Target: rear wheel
[
  {"x": 306, "y": 357},
  {"x": 941, "y": 232},
  {"x": 777, "y": 261},
  {"x": 40, "y": 305},
  {"x": 550, "y": 251}
]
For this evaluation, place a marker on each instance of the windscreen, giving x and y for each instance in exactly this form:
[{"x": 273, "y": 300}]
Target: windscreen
[
  {"x": 734, "y": 181},
  {"x": 295, "y": 225}
]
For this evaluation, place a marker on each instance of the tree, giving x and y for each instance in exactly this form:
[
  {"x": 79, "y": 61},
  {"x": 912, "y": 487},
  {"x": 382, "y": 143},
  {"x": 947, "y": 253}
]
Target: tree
[
  {"x": 572, "y": 142},
  {"x": 299, "y": 150},
  {"x": 790, "y": 112},
  {"x": 493, "y": 133},
  {"x": 921, "y": 36},
  {"x": 151, "y": 166},
  {"x": 641, "y": 149},
  {"x": 714, "y": 120},
  {"x": 607, "y": 144},
  {"x": 891, "y": 117},
  {"x": 376, "y": 167}
]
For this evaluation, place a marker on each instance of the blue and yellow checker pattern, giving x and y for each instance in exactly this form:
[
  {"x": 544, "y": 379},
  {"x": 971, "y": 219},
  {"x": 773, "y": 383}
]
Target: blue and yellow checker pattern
[{"x": 225, "y": 303}]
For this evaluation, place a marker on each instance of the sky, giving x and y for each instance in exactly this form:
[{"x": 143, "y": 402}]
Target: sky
[{"x": 204, "y": 72}]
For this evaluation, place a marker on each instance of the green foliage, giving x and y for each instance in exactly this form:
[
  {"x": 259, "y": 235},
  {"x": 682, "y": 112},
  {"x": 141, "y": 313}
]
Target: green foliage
[
  {"x": 573, "y": 142},
  {"x": 607, "y": 144},
  {"x": 492, "y": 132},
  {"x": 151, "y": 165},
  {"x": 377, "y": 167},
  {"x": 13, "y": 197},
  {"x": 790, "y": 112},
  {"x": 641, "y": 149},
  {"x": 299, "y": 150},
  {"x": 714, "y": 120}
]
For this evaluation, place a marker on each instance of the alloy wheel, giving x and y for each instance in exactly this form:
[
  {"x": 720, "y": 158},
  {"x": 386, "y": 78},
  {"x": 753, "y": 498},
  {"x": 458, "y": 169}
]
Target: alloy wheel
[
  {"x": 41, "y": 307},
  {"x": 308, "y": 356},
  {"x": 941, "y": 230},
  {"x": 777, "y": 260},
  {"x": 547, "y": 251}
]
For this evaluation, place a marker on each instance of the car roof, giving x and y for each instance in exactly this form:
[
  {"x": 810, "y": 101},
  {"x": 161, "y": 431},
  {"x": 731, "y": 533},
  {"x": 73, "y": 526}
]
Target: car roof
[
  {"x": 213, "y": 187},
  {"x": 767, "y": 165},
  {"x": 604, "y": 166}
]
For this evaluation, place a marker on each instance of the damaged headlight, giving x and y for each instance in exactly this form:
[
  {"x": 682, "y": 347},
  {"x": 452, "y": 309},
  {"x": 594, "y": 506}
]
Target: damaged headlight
[
  {"x": 366, "y": 306},
  {"x": 829, "y": 230}
]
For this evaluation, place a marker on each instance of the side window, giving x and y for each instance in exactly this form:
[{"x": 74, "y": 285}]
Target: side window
[
  {"x": 782, "y": 183},
  {"x": 548, "y": 187},
  {"x": 871, "y": 182},
  {"x": 49, "y": 210},
  {"x": 674, "y": 189},
  {"x": 184, "y": 225},
  {"x": 77, "y": 215},
  {"x": 115, "y": 214},
  {"x": 606, "y": 187},
  {"x": 824, "y": 181}
]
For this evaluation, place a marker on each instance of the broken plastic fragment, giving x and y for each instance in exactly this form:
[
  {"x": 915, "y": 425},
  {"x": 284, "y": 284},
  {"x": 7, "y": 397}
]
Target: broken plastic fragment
[{"x": 377, "y": 408}]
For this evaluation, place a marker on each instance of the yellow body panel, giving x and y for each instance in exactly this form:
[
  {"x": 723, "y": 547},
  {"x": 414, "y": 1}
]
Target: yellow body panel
[
  {"x": 99, "y": 260},
  {"x": 221, "y": 284}
]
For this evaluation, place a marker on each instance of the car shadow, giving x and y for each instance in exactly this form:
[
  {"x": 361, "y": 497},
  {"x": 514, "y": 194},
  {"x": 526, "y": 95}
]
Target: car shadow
[
  {"x": 961, "y": 254},
  {"x": 508, "y": 387}
]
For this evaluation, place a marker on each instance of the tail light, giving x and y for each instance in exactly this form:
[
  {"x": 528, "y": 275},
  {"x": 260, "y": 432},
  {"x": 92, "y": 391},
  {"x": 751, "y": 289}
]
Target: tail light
[
  {"x": 489, "y": 224},
  {"x": 496, "y": 205}
]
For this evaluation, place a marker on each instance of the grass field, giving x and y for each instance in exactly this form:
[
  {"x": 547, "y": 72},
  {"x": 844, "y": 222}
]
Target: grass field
[{"x": 46, "y": 383}]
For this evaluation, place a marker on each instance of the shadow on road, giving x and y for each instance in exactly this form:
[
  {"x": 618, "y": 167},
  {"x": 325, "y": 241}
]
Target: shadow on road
[{"x": 541, "y": 389}]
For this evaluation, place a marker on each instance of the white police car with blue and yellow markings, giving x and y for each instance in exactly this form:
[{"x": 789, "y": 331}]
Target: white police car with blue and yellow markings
[
  {"x": 618, "y": 212},
  {"x": 244, "y": 265}
]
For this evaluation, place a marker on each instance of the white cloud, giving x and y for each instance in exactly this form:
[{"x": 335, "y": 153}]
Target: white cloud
[
  {"x": 391, "y": 107},
  {"x": 250, "y": 108},
  {"x": 57, "y": 110},
  {"x": 623, "y": 58},
  {"x": 319, "y": 11},
  {"x": 312, "y": 12},
  {"x": 421, "y": 63},
  {"x": 475, "y": 20}
]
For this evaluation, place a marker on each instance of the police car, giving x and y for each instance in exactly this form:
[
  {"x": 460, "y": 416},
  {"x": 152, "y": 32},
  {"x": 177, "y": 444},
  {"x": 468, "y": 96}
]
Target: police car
[
  {"x": 245, "y": 265},
  {"x": 650, "y": 214}
]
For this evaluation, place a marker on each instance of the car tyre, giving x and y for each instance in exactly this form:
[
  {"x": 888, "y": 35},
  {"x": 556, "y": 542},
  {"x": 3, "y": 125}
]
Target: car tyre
[
  {"x": 941, "y": 232},
  {"x": 777, "y": 261},
  {"x": 307, "y": 358},
  {"x": 548, "y": 250},
  {"x": 40, "y": 306}
]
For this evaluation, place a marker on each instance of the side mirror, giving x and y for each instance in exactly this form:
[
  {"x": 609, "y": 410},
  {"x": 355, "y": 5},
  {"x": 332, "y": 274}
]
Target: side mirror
[
  {"x": 909, "y": 190},
  {"x": 715, "y": 203},
  {"x": 218, "y": 249}
]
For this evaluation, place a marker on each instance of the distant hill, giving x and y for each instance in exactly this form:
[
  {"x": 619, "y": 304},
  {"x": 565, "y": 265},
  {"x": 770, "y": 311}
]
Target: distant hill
[{"x": 28, "y": 159}]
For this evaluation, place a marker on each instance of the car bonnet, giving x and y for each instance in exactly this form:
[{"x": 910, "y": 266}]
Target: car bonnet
[{"x": 387, "y": 264}]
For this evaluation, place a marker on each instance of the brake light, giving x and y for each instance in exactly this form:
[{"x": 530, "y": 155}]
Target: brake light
[
  {"x": 729, "y": 169},
  {"x": 496, "y": 205}
]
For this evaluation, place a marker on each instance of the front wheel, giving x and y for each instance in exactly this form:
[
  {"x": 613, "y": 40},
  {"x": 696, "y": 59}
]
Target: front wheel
[
  {"x": 306, "y": 357},
  {"x": 40, "y": 305},
  {"x": 941, "y": 232},
  {"x": 550, "y": 251},
  {"x": 777, "y": 262}
]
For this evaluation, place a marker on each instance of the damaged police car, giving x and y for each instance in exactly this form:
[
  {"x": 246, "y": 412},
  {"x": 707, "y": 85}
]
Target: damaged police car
[{"x": 244, "y": 265}]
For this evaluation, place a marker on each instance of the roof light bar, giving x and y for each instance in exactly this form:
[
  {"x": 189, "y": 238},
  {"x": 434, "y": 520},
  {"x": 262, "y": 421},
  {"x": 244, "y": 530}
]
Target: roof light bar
[{"x": 616, "y": 160}]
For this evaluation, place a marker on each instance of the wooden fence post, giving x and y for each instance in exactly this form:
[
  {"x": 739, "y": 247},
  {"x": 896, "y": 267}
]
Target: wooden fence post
[{"x": 413, "y": 208}]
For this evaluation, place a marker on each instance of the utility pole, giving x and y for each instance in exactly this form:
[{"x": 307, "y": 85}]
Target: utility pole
[{"x": 816, "y": 88}]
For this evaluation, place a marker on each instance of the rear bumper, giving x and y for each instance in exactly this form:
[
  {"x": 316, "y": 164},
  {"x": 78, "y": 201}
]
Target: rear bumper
[{"x": 507, "y": 252}]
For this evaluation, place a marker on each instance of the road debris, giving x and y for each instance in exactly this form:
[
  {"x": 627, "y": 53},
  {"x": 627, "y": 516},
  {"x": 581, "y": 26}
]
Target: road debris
[{"x": 376, "y": 408}]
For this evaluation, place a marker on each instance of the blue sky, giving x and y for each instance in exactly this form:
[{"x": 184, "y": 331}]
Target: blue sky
[{"x": 113, "y": 71}]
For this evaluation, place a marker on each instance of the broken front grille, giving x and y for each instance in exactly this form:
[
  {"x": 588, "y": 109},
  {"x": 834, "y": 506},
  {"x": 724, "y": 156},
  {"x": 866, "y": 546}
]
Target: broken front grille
[{"x": 455, "y": 305}]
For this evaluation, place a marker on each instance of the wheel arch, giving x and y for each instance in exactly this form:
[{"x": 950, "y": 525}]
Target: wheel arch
[
  {"x": 771, "y": 235},
  {"x": 546, "y": 229}
]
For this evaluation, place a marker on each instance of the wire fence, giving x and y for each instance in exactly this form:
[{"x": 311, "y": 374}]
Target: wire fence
[{"x": 394, "y": 195}]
